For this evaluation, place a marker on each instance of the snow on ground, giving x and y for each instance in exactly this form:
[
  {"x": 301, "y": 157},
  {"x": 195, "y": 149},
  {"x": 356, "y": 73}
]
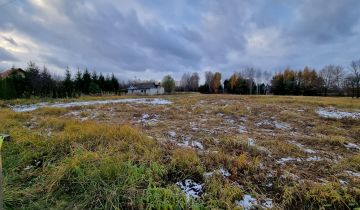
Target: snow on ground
[
  {"x": 34, "y": 164},
  {"x": 351, "y": 173},
  {"x": 172, "y": 134},
  {"x": 268, "y": 203},
  {"x": 87, "y": 114},
  {"x": 248, "y": 202},
  {"x": 149, "y": 119},
  {"x": 314, "y": 158},
  {"x": 352, "y": 146},
  {"x": 284, "y": 160},
  {"x": 273, "y": 123},
  {"x": 190, "y": 188},
  {"x": 32, "y": 107},
  {"x": 287, "y": 159},
  {"x": 242, "y": 129},
  {"x": 302, "y": 147},
  {"x": 223, "y": 171},
  {"x": 336, "y": 114},
  {"x": 194, "y": 126},
  {"x": 251, "y": 142},
  {"x": 191, "y": 143}
]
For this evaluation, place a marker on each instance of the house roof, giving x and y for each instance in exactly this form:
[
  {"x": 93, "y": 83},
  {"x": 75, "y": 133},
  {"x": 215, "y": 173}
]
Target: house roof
[
  {"x": 147, "y": 85},
  {"x": 7, "y": 73}
]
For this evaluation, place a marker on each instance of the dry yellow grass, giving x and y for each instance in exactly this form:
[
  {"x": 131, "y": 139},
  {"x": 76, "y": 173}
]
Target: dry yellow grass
[{"x": 271, "y": 146}]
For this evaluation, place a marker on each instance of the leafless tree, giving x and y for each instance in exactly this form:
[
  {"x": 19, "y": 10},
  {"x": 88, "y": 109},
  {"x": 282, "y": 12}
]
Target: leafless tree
[
  {"x": 339, "y": 75},
  {"x": 185, "y": 82},
  {"x": 328, "y": 76},
  {"x": 194, "y": 81},
  {"x": 249, "y": 73},
  {"x": 258, "y": 79},
  {"x": 355, "y": 73}
]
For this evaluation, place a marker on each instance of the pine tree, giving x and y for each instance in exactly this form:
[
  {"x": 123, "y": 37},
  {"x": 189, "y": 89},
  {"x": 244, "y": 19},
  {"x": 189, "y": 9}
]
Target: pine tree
[
  {"x": 78, "y": 82},
  {"x": 68, "y": 84},
  {"x": 94, "y": 77},
  {"x": 101, "y": 82},
  {"x": 86, "y": 80},
  {"x": 114, "y": 84},
  {"x": 32, "y": 75}
]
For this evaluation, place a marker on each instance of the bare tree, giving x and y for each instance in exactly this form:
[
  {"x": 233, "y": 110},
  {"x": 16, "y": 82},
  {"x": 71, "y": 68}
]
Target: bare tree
[
  {"x": 249, "y": 72},
  {"x": 355, "y": 73},
  {"x": 209, "y": 78},
  {"x": 194, "y": 81},
  {"x": 185, "y": 82},
  {"x": 328, "y": 75},
  {"x": 339, "y": 75},
  {"x": 258, "y": 77}
]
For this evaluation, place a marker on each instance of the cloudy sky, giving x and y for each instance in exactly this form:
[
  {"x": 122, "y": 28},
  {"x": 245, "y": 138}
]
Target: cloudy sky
[{"x": 148, "y": 39}]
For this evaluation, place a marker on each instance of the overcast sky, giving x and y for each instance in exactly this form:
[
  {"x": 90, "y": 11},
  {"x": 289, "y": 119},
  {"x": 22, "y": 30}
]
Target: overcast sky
[{"x": 149, "y": 39}]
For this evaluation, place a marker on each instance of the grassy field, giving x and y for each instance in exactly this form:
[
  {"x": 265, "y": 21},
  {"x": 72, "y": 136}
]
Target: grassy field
[{"x": 230, "y": 149}]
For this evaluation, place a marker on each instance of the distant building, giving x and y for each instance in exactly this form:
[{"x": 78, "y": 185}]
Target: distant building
[
  {"x": 150, "y": 88},
  {"x": 13, "y": 71}
]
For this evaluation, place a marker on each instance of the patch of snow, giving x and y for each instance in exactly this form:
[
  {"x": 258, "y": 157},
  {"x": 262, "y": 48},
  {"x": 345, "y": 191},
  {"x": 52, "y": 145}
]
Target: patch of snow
[
  {"x": 282, "y": 125},
  {"x": 343, "y": 182},
  {"x": 251, "y": 142},
  {"x": 243, "y": 119},
  {"x": 28, "y": 167},
  {"x": 351, "y": 173},
  {"x": 35, "y": 164},
  {"x": 314, "y": 158},
  {"x": 194, "y": 126},
  {"x": 149, "y": 119},
  {"x": 291, "y": 159},
  {"x": 223, "y": 171},
  {"x": 248, "y": 202},
  {"x": 208, "y": 174},
  {"x": 220, "y": 114},
  {"x": 287, "y": 159},
  {"x": 32, "y": 107},
  {"x": 310, "y": 151},
  {"x": 336, "y": 114},
  {"x": 268, "y": 203},
  {"x": 191, "y": 143},
  {"x": 273, "y": 123},
  {"x": 172, "y": 134},
  {"x": 352, "y": 146},
  {"x": 242, "y": 129},
  {"x": 190, "y": 188},
  {"x": 229, "y": 120},
  {"x": 145, "y": 116},
  {"x": 264, "y": 122}
]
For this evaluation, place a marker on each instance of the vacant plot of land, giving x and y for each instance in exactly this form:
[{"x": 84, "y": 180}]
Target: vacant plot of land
[{"x": 183, "y": 151}]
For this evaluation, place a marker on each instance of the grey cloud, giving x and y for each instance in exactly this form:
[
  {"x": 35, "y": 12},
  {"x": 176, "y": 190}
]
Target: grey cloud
[
  {"x": 6, "y": 56},
  {"x": 99, "y": 35},
  {"x": 10, "y": 40},
  {"x": 326, "y": 20}
]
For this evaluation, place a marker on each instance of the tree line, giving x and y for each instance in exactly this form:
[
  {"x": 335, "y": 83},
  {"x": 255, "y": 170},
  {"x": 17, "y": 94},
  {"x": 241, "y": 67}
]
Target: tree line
[
  {"x": 330, "y": 80},
  {"x": 333, "y": 80},
  {"x": 40, "y": 83}
]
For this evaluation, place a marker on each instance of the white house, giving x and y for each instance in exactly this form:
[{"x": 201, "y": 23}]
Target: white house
[{"x": 145, "y": 89}]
